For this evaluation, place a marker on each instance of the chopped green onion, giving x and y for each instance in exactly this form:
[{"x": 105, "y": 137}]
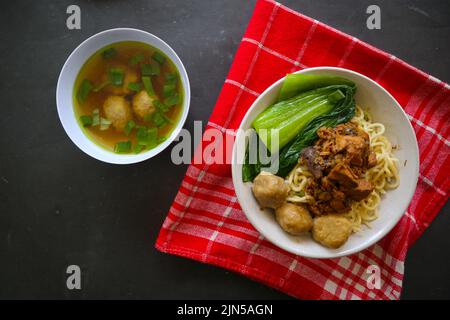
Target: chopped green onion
[
  {"x": 148, "y": 117},
  {"x": 169, "y": 90},
  {"x": 104, "y": 124},
  {"x": 138, "y": 148},
  {"x": 129, "y": 126},
  {"x": 141, "y": 134},
  {"x": 158, "y": 57},
  {"x": 167, "y": 119},
  {"x": 95, "y": 117},
  {"x": 122, "y": 147},
  {"x": 152, "y": 137},
  {"x": 148, "y": 69},
  {"x": 101, "y": 86},
  {"x": 109, "y": 53},
  {"x": 162, "y": 139},
  {"x": 160, "y": 106},
  {"x": 171, "y": 78},
  {"x": 134, "y": 86},
  {"x": 172, "y": 100},
  {"x": 147, "y": 81},
  {"x": 86, "y": 121},
  {"x": 158, "y": 119},
  {"x": 134, "y": 60},
  {"x": 156, "y": 70},
  {"x": 83, "y": 90},
  {"x": 147, "y": 136},
  {"x": 116, "y": 76}
]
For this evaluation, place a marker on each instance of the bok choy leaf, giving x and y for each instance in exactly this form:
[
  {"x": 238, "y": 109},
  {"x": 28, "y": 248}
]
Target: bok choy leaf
[{"x": 305, "y": 103}]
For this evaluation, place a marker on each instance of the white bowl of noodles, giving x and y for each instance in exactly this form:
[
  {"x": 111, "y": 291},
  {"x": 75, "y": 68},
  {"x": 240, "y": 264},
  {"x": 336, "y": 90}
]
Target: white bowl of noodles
[{"x": 382, "y": 108}]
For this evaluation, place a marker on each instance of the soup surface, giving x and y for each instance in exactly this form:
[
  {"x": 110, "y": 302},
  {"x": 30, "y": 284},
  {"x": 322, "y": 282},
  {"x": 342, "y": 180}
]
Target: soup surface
[{"x": 128, "y": 97}]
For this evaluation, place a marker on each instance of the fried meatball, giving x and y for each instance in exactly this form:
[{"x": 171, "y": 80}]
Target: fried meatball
[
  {"x": 130, "y": 76},
  {"x": 332, "y": 231},
  {"x": 117, "y": 110},
  {"x": 270, "y": 191},
  {"x": 294, "y": 219},
  {"x": 143, "y": 104}
]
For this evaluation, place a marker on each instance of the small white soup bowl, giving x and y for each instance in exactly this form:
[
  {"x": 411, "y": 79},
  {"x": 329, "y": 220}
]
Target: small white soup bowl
[
  {"x": 70, "y": 71},
  {"x": 385, "y": 109}
]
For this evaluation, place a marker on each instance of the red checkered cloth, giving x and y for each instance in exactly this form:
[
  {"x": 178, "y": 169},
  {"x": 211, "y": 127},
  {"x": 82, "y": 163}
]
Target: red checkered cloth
[{"x": 206, "y": 223}]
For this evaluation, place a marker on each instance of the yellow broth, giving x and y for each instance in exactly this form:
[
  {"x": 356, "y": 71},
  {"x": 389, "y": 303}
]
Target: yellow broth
[{"x": 96, "y": 69}]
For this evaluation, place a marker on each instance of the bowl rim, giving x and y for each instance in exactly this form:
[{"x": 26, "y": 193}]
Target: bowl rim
[
  {"x": 330, "y": 254},
  {"x": 115, "y": 158}
]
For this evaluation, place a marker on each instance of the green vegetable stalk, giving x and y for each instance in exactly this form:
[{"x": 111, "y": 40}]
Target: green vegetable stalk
[
  {"x": 290, "y": 116},
  {"x": 305, "y": 104}
]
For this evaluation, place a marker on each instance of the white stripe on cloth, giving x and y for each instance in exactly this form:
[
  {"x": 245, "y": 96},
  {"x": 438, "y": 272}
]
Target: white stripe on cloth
[
  {"x": 412, "y": 219},
  {"x": 385, "y": 68},
  {"x": 418, "y": 95},
  {"x": 273, "y": 52},
  {"x": 306, "y": 43},
  {"x": 348, "y": 51},
  {"x": 431, "y": 184},
  {"x": 242, "y": 87},
  {"x": 207, "y": 192},
  {"x": 216, "y": 232},
  {"x": 430, "y": 129}
]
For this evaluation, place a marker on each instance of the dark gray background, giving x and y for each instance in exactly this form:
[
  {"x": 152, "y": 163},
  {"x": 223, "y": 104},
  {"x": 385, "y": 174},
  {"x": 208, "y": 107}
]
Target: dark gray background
[{"x": 58, "y": 206}]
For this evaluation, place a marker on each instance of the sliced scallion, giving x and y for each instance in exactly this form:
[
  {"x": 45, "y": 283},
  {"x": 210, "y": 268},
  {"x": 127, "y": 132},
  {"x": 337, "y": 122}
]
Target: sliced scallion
[
  {"x": 104, "y": 124},
  {"x": 167, "y": 119},
  {"x": 134, "y": 60},
  {"x": 156, "y": 70},
  {"x": 169, "y": 90},
  {"x": 148, "y": 117},
  {"x": 129, "y": 126},
  {"x": 152, "y": 137},
  {"x": 122, "y": 147},
  {"x": 147, "y": 136},
  {"x": 109, "y": 53},
  {"x": 172, "y": 100},
  {"x": 141, "y": 135},
  {"x": 158, "y": 119},
  {"x": 134, "y": 86},
  {"x": 158, "y": 57},
  {"x": 84, "y": 90},
  {"x": 116, "y": 76},
  {"x": 147, "y": 81},
  {"x": 86, "y": 120},
  {"x": 138, "y": 148},
  {"x": 95, "y": 117},
  {"x": 160, "y": 106},
  {"x": 171, "y": 78},
  {"x": 146, "y": 69},
  {"x": 101, "y": 86}
]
